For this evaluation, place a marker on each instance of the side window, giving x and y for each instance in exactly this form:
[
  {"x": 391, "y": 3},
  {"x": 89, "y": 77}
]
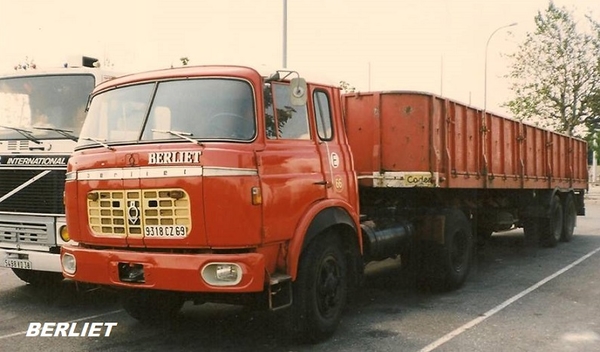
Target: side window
[
  {"x": 323, "y": 115},
  {"x": 283, "y": 120}
]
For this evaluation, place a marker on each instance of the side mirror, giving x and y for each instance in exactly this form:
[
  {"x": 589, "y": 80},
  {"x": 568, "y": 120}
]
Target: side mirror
[{"x": 298, "y": 91}]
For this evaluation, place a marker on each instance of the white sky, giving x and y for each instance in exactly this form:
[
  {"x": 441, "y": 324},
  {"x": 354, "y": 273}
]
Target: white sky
[{"x": 436, "y": 46}]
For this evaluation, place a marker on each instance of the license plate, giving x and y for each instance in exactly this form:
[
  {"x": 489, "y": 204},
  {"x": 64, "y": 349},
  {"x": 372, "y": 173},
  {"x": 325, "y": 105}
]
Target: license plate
[
  {"x": 165, "y": 231},
  {"x": 17, "y": 263}
]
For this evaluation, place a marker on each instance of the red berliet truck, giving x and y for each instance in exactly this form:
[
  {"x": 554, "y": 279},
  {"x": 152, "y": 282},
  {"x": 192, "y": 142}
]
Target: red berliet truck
[{"x": 219, "y": 184}]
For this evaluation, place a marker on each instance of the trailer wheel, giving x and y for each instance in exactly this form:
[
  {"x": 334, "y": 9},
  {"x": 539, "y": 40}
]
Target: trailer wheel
[
  {"x": 569, "y": 218},
  {"x": 151, "y": 306},
  {"x": 320, "y": 290},
  {"x": 38, "y": 278},
  {"x": 551, "y": 228},
  {"x": 446, "y": 267},
  {"x": 456, "y": 253}
]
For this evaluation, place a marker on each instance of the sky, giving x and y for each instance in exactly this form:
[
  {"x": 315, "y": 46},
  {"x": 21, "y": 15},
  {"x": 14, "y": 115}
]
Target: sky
[{"x": 436, "y": 46}]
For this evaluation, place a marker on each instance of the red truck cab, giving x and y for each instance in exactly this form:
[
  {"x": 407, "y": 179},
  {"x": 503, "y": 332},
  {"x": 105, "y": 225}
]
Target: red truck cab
[{"x": 207, "y": 183}]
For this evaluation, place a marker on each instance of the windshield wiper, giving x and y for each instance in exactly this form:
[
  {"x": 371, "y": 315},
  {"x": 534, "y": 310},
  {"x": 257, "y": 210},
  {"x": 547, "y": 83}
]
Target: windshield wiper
[
  {"x": 66, "y": 133},
  {"x": 183, "y": 135},
  {"x": 99, "y": 141},
  {"x": 27, "y": 134}
]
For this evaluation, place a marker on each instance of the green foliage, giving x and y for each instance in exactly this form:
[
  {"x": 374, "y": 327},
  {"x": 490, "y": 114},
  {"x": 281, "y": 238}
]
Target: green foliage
[
  {"x": 555, "y": 74},
  {"x": 593, "y": 139}
]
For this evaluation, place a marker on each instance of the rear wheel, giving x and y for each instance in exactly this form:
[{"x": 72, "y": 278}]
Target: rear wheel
[
  {"x": 448, "y": 266},
  {"x": 320, "y": 291},
  {"x": 551, "y": 228},
  {"x": 152, "y": 306},
  {"x": 569, "y": 218},
  {"x": 39, "y": 278}
]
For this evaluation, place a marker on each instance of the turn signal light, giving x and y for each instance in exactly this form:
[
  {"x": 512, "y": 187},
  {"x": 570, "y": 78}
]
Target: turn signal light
[
  {"x": 256, "y": 196},
  {"x": 64, "y": 233}
]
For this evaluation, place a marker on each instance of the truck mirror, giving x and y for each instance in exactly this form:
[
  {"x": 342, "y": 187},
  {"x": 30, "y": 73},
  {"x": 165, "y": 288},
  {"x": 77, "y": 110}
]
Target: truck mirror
[{"x": 298, "y": 91}]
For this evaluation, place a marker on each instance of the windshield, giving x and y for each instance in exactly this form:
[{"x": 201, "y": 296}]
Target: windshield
[
  {"x": 198, "y": 109},
  {"x": 47, "y": 102}
]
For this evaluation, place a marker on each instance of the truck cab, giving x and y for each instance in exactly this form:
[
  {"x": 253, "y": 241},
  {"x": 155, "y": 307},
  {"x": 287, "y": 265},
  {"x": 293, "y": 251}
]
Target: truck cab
[
  {"x": 41, "y": 114},
  {"x": 208, "y": 183}
]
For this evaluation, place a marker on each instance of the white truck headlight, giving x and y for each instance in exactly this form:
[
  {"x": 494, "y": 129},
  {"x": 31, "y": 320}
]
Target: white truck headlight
[
  {"x": 69, "y": 263},
  {"x": 222, "y": 274}
]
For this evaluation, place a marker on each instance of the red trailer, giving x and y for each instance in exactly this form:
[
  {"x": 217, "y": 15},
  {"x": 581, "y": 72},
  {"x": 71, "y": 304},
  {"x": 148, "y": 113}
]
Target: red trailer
[
  {"x": 216, "y": 183},
  {"x": 455, "y": 147}
]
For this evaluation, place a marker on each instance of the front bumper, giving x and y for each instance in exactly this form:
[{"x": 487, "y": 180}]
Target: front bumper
[{"x": 164, "y": 271}]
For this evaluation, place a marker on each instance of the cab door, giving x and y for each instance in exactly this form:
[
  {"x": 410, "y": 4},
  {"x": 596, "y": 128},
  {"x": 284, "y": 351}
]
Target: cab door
[
  {"x": 290, "y": 168},
  {"x": 335, "y": 153}
]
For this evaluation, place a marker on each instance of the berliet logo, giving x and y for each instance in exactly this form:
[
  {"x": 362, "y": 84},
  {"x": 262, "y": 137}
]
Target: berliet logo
[
  {"x": 70, "y": 329},
  {"x": 133, "y": 212},
  {"x": 178, "y": 157}
]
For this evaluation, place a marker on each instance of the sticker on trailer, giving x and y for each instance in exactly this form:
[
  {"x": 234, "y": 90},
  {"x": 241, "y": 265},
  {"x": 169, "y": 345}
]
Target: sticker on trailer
[{"x": 405, "y": 179}]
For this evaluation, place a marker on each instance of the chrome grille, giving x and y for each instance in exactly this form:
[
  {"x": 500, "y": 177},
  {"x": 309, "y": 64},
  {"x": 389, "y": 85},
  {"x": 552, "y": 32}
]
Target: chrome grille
[
  {"x": 23, "y": 232},
  {"x": 128, "y": 212}
]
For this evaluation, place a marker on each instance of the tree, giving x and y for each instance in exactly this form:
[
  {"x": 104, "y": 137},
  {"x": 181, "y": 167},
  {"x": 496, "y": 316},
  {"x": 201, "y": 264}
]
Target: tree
[
  {"x": 555, "y": 74},
  {"x": 346, "y": 87}
]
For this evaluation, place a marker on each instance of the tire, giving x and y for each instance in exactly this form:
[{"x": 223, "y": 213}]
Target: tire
[
  {"x": 447, "y": 266},
  {"x": 151, "y": 306},
  {"x": 551, "y": 228},
  {"x": 39, "y": 278},
  {"x": 320, "y": 291},
  {"x": 569, "y": 218}
]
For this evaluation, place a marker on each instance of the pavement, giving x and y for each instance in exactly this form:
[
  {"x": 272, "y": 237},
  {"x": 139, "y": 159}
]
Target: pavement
[{"x": 592, "y": 196}]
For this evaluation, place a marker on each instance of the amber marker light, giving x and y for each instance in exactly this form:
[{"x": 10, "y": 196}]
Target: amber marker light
[
  {"x": 256, "y": 196},
  {"x": 64, "y": 233}
]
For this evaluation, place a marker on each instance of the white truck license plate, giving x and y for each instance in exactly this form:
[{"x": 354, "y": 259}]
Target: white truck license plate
[
  {"x": 17, "y": 263},
  {"x": 165, "y": 231}
]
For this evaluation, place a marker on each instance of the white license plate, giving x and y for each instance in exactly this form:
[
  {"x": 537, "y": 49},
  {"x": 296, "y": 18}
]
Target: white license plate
[
  {"x": 17, "y": 263},
  {"x": 165, "y": 231}
]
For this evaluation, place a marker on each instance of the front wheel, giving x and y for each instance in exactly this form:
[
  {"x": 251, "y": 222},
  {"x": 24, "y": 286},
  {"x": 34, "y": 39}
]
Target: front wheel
[{"x": 320, "y": 291}]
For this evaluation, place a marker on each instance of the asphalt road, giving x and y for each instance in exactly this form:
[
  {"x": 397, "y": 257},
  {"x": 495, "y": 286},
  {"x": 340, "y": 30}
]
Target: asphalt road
[{"x": 517, "y": 298}]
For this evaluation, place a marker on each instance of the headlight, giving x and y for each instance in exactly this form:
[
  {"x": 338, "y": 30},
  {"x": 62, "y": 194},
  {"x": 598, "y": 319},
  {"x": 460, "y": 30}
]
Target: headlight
[
  {"x": 222, "y": 274},
  {"x": 69, "y": 264},
  {"x": 64, "y": 233}
]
